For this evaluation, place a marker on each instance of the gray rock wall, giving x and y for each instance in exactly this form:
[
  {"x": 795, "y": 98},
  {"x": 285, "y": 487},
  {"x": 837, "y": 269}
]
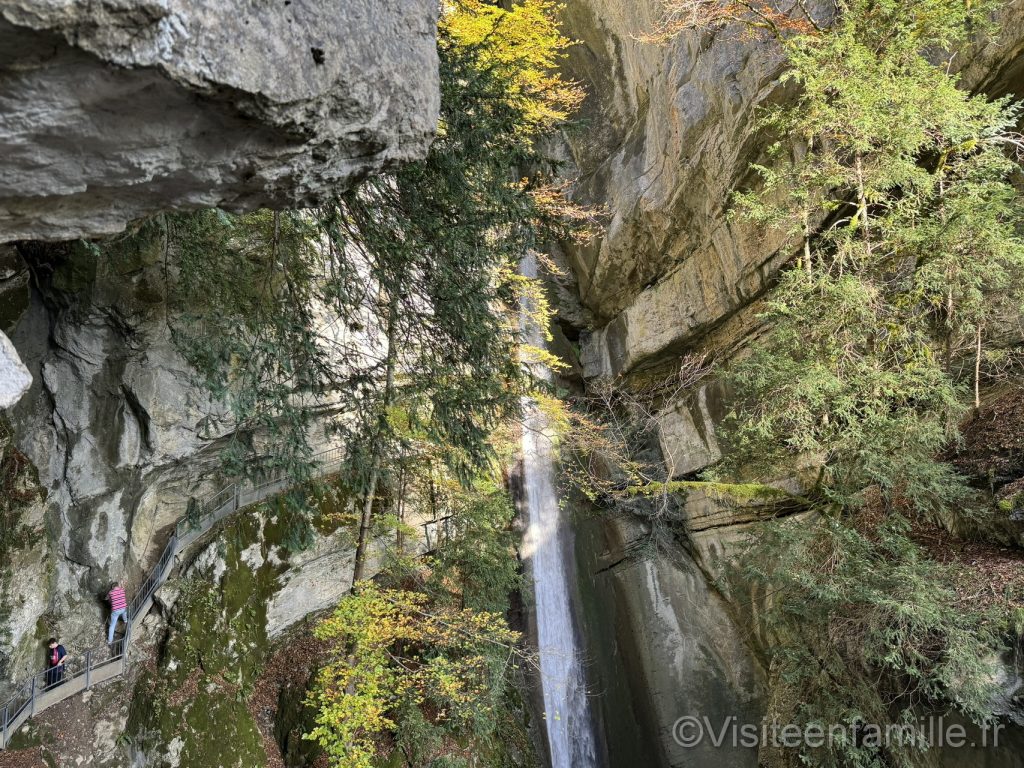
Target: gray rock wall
[
  {"x": 667, "y": 135},
  {"x": 664, "y": 646},
  {"x": 115, "y": 109},
  {"x": 114, "y": 423}
]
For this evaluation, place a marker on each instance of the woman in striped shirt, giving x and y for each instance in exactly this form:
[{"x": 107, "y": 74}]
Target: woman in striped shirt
[{"x": 118, "y": 609}]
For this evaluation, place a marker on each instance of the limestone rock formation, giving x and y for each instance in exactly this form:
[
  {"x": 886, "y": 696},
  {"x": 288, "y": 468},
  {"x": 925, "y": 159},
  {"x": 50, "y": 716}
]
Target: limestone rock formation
[
  {"x": 115, "y": 425},
  {"x": 116, "y": 109},
  {"x": 664, "y": 646},
  {"x": 672, "y": 135},
  {"x": 14, "y": 376},
  {"x": 670, "y": 132}
]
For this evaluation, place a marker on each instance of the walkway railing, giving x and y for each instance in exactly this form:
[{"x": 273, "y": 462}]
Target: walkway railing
[{"x": 103, "y": 663}]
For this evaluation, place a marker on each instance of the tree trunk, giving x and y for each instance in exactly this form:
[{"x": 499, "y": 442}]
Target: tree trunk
[
  {"x": 948, "y": 352},
  {"x": 366, "y": 520},
  {"x": 862, "y": 206},
  {"x": 365, "y": 523},
  {"x": 808, "y": 266},
  {"x": 400, "y": 505},
  {"x": 433, "y": 493},
  {"x": 977, "y": 370}
]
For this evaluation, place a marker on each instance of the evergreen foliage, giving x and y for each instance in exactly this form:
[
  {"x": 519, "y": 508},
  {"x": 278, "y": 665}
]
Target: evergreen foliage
[
  {"x": 893, "y": 186},
  {"x": 247, "y": 290},
  {"x": 863, "y": 631},
  {"x": 475, "y": 561},
  {"x": 392, "y": 313},
  {"x": 917, "y": 251},
  {"x": 396, "y": 306}
]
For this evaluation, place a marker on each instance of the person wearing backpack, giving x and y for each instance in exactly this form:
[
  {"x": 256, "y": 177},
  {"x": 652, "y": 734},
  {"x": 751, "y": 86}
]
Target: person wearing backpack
[
  {"x": 56, "y": 656},
  {"x": 118, "y": 609}
]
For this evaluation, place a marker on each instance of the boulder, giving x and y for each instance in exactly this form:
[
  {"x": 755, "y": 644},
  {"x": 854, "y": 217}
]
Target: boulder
[
  {"x": 15, "y": 379},
  {"x": 686, "y": 431}
]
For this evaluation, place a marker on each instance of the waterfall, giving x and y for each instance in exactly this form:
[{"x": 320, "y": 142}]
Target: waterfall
[{"x": 548, "y": 547}]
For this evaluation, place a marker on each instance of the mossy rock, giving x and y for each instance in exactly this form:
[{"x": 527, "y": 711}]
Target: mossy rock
[
  {"x": 210, "y": 729},
  {"x": 193, "y": 712},
  {"x": 32, "y": 735},
  {"x": 193, "y": 709},
  {"x": 100, "y": 268},
  {"x": 14, "y": 288},
  {"x": 77, "y": 273},
  {"x": 221, "y": 625}
]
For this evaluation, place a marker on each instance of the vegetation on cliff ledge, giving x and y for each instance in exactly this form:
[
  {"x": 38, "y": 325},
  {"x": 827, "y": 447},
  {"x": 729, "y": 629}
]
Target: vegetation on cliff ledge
[
  {"x": 395, "y": 308},
  {"x": 389, "y": 320},
  {"x": 894, "y": 187}
]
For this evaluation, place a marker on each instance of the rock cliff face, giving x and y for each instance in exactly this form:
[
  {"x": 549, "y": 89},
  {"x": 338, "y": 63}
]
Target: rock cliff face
[
  {"x": 189, "y": 699},
  {"x": 664, "y": 645},
  {"x": 671, "y": 273},
  {"x": 112, "y": 111},
  {"x": 223, "y": 614},
  {"x": 112, "y": 423},
  {"x": 668, "y": 134},
  {"x": 122, "y": 436},
  {"x": 117, "y": 109},
  {"x": 672, "y": 137}
]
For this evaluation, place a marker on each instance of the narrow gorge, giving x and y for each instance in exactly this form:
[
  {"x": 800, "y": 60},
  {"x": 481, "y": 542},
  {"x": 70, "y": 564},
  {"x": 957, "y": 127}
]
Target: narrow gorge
[{"x": 667, "y": 355}]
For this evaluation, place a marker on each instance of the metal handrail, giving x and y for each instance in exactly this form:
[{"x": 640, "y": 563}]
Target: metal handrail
[{"x": 44, "y": 689}]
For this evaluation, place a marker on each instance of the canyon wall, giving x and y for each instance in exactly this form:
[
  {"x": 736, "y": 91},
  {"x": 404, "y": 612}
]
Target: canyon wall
[
  {"x": 114, "y": 110},
  {"x": 666, "y": 135},
  {"x": 668, "y": 132},
  {"x": 121, "y": 435},
  {"x": 111, "y": 112}
]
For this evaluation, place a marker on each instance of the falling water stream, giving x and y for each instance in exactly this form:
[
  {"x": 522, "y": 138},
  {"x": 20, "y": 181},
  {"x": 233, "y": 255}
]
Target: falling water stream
[{"x": 548, "y": 545}]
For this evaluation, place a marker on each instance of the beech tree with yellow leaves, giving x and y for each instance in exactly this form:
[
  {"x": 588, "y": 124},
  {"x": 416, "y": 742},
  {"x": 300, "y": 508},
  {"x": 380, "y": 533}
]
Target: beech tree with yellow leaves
[{"x": 401, "y": 662}]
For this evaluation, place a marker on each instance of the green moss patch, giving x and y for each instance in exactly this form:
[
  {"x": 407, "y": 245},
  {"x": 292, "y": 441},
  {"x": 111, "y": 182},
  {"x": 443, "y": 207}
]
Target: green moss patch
[
  {"x": 205, "y": 725},
  {"x": 740, "y": 493}
]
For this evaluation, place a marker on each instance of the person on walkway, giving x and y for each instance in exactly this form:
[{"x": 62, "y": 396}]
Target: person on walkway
[
  {"x": 55, "y": 658},
  {"x": 118, "y": 609}
]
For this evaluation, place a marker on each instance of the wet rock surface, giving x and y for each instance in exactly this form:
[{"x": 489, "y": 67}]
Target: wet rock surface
[{"x": 665, "y": 645}]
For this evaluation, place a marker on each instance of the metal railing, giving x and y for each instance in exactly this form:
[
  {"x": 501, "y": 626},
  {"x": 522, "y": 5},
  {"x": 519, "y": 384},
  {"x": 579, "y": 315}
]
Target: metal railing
[
  {"x": 46, "y": 688},
  {"x": 102, "y": 663}
]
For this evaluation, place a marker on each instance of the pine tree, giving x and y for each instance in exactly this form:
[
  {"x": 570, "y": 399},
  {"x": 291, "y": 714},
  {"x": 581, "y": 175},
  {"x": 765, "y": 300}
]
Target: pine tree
[
  {"x": 892, "y": 184},
  {"x": 394, "y": 309}
]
